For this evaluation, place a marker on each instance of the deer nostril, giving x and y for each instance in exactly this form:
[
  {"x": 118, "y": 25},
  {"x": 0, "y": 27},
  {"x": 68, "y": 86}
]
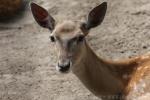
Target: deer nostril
[{"x": 64, "y": 65}]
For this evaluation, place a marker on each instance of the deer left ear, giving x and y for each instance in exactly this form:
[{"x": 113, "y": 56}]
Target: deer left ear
[
  {"x": 42, "y": 16},
  {"x": 95, "y": 16}
]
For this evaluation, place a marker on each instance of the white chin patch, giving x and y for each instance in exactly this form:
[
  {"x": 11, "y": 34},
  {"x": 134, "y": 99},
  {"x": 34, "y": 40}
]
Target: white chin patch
[{"x": 57, "y": 68}]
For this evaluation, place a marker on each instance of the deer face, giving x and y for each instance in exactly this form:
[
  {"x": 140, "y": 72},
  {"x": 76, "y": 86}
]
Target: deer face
[
  {"x": 69, "y": 40},
  {"x": 68, "y": 36}
]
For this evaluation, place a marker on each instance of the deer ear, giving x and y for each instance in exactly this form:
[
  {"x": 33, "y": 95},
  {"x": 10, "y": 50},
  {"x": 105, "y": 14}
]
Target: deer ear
[
  {"x": 96, "y": 16},
  {"x": 42, "y": 16}
]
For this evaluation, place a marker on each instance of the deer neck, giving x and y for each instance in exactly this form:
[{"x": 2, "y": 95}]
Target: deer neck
[{"x": 96, "y": 75}]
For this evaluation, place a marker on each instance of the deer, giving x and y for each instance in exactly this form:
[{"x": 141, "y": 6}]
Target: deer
[{"x": 106, "y": 79}]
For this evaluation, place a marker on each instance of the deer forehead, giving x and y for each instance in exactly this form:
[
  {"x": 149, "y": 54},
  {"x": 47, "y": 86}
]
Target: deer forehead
[{"x": 69, "y": 28}]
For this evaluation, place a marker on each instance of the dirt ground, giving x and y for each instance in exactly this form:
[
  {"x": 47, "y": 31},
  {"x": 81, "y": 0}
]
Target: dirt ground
[{"x": 27, "y": 57}]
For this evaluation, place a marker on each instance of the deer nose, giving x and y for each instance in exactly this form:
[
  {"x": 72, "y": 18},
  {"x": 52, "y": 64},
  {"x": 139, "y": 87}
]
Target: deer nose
[{"x": 64, "y": 67}]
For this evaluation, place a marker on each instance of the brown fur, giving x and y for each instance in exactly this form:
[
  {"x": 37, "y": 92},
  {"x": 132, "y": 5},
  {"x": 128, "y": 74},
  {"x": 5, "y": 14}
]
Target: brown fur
[
  {"x": 110, "y": 80},
  {"x": 65, "y": 27},
  {"x": 102, "y": 77},
  {"x": 106, "y": 78},
  {"x": 9, "y": 7}
]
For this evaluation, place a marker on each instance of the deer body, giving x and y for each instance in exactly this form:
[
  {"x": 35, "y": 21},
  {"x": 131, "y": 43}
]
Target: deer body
[
  {"x": 110, "y": 78},
  {"x": 95, "y": 74},
  {"x": 8, "y": 7},
  {"x": 102, "y": 77}
]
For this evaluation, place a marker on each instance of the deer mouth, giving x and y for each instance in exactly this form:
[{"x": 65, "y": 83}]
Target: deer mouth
[{"x": 63, "y": 68}]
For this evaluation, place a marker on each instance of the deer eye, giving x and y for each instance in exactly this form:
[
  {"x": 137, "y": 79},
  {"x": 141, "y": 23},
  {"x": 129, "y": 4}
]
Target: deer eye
[
  {"x": 80, "y": 38},
  {"x": 52, "y": 38}
]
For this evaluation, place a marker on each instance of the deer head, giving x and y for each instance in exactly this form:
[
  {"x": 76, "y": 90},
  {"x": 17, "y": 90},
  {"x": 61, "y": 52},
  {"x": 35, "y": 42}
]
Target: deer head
[{"x": 69, "y": 36}]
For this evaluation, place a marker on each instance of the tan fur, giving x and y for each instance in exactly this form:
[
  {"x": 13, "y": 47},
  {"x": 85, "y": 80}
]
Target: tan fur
[
  {"x": 65, "y": 27},
  {"x": 102, "y": 77},
  {"x": 109, "y": 80},
  {"x": 106, "y": 78}
]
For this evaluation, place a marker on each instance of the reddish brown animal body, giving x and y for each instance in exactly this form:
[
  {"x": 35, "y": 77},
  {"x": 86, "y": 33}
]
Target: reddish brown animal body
[
  {"x": 110, "y": 80},
  {"x": 9, "y": 7}
]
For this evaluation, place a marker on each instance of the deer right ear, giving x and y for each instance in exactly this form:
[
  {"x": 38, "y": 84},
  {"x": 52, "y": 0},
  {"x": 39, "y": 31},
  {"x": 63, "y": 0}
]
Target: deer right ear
[
  {"x": 42, "y": 16},
  {"x": 95, "y": 17}
]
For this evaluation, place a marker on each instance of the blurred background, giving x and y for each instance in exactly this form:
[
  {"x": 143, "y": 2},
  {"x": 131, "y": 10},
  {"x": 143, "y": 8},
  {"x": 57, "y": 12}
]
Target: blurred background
[{"x": 27, "y": 57}]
